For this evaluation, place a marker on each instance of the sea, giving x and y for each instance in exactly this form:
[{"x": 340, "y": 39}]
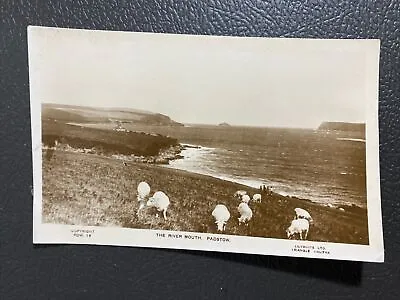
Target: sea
[{"x": 327, "y": 167}]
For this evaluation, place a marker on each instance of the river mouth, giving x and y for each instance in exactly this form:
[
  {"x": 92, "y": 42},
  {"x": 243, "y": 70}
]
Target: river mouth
[{"x": 199, "y": 159}]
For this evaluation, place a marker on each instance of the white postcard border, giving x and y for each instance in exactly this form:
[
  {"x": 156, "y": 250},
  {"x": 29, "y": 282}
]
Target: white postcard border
[{"x": 96, "y": 235}]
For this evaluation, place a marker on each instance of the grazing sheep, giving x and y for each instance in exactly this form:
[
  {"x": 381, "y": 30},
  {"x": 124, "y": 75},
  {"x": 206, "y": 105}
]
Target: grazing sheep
[
  {"x": 221, "y": 215},
  {"x": 245, "y": 213},
  {"x": 239, "y": 194},
  {"x": 246, "y": 199},
  {"x": 257, "y": 198},
  {"x": 302, "y": 214},
  {"x": 298, "y": 226},
  {"x": 160, "y": 201},
  {"x": 341, "y": 208},
  {"x": 143, "y": 191},
  {"x": 125, "y": 164}
]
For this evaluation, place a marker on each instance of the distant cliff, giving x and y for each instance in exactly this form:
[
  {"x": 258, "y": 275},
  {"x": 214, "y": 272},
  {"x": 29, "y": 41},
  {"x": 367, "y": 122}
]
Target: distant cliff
[
  {"x": 84, "y": 114},
  {"x": 342, "y": 126},
  {"x": 159, "y": 119}
]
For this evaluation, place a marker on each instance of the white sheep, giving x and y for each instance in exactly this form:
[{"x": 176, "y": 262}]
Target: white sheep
[
  {"x": 298, "y": 226},
  {"x": 257, "y": 198},
  {"x": 239, "y": 194},
  {"x": 245, "y": 213},
  {"x": 221, "y": 215},
  {"x": 246, "y": 199},
  {"x": 302, "y": 214},
  {"x": 160, "y": 201},
  {"x": 143, "y": 191}
]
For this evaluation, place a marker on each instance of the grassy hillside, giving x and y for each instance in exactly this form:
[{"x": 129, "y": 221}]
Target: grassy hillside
[
  {"x": 85, "y": 189},
  {"x": 104, "y": 141},
  {"x": 83, "y": 114}
]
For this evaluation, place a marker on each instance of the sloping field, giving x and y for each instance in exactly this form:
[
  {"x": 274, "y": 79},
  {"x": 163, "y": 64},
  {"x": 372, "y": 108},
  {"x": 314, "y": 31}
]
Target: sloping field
[
  {"x": 86, "y": 189},
  {"x": 104, "y": 141}
]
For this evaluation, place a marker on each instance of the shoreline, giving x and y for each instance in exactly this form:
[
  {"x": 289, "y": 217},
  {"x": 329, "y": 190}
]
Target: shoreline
[
  {"x": 186, "y": 146},
  {"x": 174, "y": 153},
  {"x": 87, "y": 189},
  {"x": 243, "y": 186}
]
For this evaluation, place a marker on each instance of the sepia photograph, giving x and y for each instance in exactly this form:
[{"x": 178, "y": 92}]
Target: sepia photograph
[{"x": 233, "y": 144}]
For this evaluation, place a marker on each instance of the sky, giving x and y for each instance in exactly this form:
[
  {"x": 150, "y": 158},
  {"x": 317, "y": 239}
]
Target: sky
[{"x": 207, "y": 80}]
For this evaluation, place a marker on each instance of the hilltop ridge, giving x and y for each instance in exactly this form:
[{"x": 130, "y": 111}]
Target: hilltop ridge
[
  {"x": 342, "y": 126},
  {"x": 86, "y": 114}
]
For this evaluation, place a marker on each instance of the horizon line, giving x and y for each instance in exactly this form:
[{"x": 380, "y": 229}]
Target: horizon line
[{"x": 203, "y": 124}]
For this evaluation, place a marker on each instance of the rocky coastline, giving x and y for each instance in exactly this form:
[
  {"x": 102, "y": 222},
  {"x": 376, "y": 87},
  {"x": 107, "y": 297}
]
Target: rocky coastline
[{"x": 163, "y": 158}]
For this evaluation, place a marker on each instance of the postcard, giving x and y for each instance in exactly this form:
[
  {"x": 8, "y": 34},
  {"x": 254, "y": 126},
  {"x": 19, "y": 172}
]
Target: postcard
[{"x": 265, "y": 146}]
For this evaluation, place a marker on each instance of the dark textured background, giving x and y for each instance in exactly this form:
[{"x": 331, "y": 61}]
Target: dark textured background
[{"x": 85, "y": 272}]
